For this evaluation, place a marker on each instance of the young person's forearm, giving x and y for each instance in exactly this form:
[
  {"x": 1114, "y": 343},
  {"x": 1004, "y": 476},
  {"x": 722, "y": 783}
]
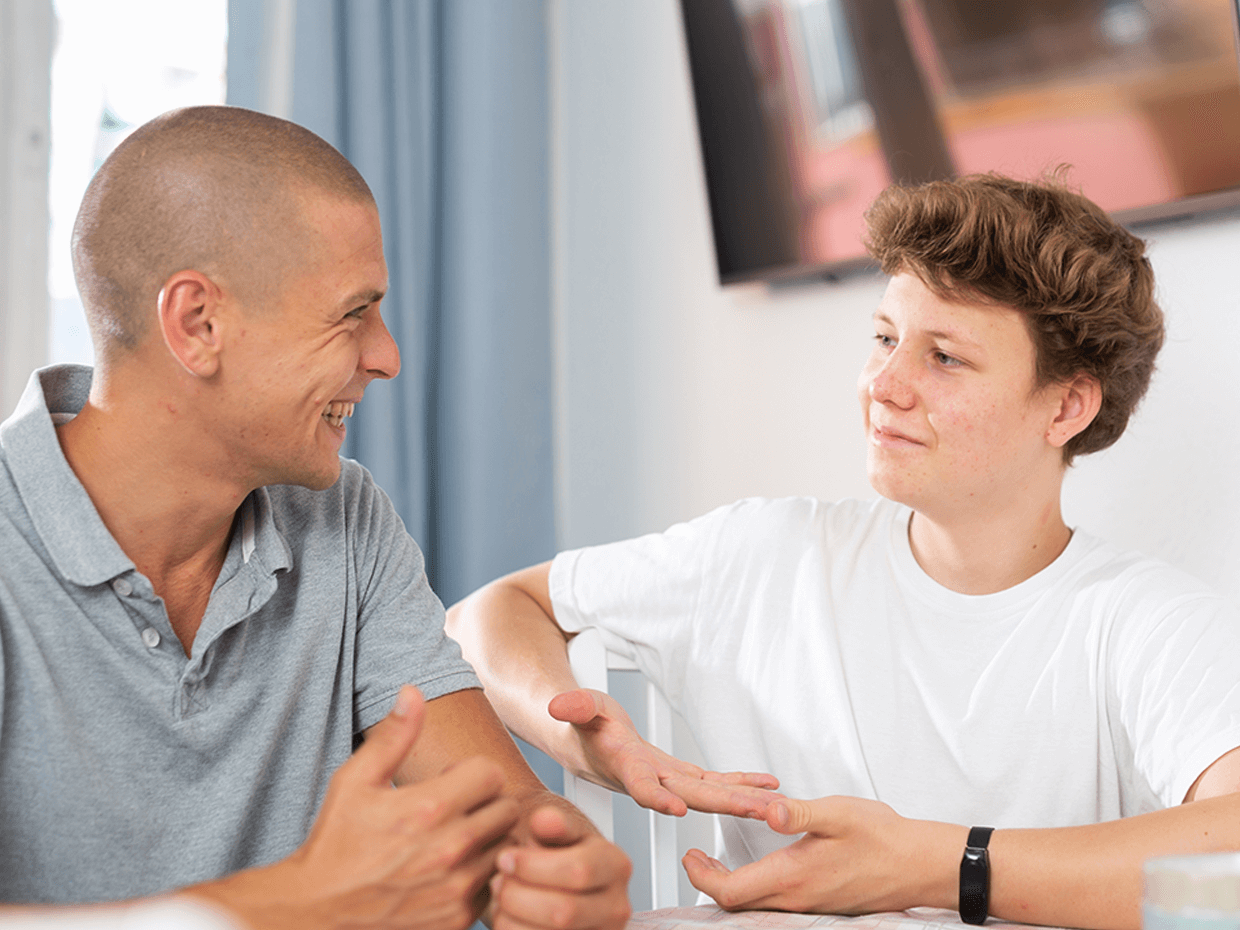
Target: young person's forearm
[
  {"x": 1090, "y": 876},
  {"x": 522, "y": 658}
]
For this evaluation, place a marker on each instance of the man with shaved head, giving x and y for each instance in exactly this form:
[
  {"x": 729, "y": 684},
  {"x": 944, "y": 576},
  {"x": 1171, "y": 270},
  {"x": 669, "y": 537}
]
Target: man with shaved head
[{"x": 204, "y": 610}]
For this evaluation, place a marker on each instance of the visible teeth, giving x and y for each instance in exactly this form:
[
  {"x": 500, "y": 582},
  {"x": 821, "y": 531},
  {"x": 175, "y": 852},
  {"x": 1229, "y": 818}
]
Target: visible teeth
[{"x": 337, "y": 411}]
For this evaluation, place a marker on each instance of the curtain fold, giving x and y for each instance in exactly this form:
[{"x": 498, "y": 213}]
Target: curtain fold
[{"x": 443, "y": 107}]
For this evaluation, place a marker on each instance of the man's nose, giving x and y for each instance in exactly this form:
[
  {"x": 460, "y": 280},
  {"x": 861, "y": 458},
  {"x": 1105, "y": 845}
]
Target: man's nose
[{"x": 380, "y": 355}]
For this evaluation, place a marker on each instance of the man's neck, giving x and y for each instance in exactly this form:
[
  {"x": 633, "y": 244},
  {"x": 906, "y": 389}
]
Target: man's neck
[
  {"x": 985, "y": 554},
  {"x": 171, "y": 515}
]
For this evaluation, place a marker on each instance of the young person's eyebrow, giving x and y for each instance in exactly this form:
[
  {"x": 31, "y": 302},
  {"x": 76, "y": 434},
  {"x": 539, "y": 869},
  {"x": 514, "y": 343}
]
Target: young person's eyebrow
[{"x": 940, "y": 334}]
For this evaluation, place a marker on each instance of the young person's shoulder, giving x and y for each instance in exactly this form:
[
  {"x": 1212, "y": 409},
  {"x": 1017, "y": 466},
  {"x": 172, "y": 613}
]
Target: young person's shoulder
[
  {"x": 1131, "y": 585},
  {"x": 797, "y": 522}
]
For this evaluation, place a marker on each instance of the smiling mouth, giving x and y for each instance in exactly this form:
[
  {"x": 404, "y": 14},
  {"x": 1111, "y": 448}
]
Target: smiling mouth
[
  {"x": 337, "y": 411},
  {"x": 887, "y": 435}
]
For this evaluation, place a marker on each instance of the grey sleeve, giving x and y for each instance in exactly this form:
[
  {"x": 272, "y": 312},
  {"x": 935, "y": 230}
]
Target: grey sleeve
[{"x": 400, "y": 626}]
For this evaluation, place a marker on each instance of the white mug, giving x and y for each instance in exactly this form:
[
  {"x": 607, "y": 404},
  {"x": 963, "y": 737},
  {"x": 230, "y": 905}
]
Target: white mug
[{"x": 1192, "y": 893}]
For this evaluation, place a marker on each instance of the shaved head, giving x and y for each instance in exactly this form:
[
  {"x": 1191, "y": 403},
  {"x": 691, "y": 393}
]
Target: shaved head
[{"x": 219, "y": 190}]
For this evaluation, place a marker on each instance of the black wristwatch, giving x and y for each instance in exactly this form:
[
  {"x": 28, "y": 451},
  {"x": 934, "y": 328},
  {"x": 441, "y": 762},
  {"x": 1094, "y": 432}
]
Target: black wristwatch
[{"x": 975, "y": 877}]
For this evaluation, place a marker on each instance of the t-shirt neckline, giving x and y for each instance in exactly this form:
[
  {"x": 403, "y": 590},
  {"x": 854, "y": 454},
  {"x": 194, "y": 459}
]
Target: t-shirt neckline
[{"x": 976, "y": 604}]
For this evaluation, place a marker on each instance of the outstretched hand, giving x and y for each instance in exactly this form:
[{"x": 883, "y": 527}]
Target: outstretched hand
[
  {"x": 623, "y": 761},
  {"x": 856, "y": 857}
]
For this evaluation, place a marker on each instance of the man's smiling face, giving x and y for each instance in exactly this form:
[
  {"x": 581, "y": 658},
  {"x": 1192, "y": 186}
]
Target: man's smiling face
[
  {"x": 953, "y": 417},
  {"x": 297, "y": 367}
]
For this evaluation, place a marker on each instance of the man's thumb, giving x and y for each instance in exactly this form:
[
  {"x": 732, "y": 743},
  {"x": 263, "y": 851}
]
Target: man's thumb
[{"x": 389, "y": 741}]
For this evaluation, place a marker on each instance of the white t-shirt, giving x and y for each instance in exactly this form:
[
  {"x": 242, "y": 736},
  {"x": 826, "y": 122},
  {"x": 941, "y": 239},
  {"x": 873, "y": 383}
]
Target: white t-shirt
[{"x": 803, "y": 639}]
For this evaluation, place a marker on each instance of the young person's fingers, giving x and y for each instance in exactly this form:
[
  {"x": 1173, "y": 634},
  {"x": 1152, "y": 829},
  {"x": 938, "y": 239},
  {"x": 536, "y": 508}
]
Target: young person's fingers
[
  {"x": 714, "y": 797},
  {"x": 747, "y": 779}
]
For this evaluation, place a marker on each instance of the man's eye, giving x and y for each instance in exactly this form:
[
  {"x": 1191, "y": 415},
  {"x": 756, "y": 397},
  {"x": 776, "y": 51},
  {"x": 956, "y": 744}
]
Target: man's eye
[{"x": 944, "y": 359}]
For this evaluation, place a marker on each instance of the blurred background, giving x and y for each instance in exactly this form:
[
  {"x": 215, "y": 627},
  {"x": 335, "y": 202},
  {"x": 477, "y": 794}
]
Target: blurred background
[{"x": 574, "y": 370}]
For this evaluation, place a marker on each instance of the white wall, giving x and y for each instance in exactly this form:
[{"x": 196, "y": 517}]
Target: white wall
[{"x": 675, "y": 395}]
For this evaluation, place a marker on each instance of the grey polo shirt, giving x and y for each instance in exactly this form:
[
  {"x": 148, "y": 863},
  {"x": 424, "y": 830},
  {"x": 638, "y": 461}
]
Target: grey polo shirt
[{"x": 128, "y": 768}]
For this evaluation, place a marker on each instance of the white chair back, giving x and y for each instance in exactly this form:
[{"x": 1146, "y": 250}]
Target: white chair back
[{"x": 591, "y": 661}]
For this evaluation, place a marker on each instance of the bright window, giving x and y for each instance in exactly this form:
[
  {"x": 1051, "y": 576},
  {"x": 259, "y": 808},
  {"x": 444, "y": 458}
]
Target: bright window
[{"x": 116, "y": 65}]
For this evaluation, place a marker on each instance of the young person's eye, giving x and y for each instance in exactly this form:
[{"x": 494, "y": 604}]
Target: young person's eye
[
  {"x": 949, "y": 361},
  {"x": 887, "y": 342}
]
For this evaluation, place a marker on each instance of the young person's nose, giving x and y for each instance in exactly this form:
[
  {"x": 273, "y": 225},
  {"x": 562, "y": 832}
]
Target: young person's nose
[{"x": 891, "y": 382}]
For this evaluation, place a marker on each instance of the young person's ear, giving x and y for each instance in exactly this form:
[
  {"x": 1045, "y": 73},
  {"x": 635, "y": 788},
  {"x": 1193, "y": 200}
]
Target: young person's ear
[
  {"x": 189, "y": 319},
  {"x": 1079, "y": 401}
]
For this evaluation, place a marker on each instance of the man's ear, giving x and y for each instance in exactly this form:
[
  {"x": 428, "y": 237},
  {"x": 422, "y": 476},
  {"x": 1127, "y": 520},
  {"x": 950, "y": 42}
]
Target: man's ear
[
  {"x": 1079, "y": 401},
  {"x": 190, "y": 320}
]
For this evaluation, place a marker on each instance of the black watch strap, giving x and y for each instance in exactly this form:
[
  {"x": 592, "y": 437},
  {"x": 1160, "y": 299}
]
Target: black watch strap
[{"x": 975, "y": 877}]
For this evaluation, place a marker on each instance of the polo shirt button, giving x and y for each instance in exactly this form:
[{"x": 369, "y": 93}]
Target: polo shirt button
[
  {"x": 150, "y": 636},
  {"x": 122, "y": 587}
]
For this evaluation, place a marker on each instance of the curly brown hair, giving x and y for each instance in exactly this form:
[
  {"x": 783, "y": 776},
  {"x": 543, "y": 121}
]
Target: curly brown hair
[{"x": 1082, "y": 281}]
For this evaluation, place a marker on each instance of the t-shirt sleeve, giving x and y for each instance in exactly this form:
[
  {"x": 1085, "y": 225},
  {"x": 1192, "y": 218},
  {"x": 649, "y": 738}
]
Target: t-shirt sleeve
[
  {"x": 400, "y": 634},
  {"x": 644, "y": 594},
  {"x": 1177, "y": 687}
]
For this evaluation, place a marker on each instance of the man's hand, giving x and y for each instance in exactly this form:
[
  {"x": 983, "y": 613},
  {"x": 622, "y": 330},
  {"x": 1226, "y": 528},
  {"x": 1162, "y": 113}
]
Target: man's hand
[
  {"x": 625, "y": 762},
  {"x": 857, "y": 857},
  {"x": 564, "y": 876},
  {"x": 417, "y": 856}
]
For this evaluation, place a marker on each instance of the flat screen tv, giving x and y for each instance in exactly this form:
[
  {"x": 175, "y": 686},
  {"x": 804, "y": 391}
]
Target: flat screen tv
[{"x": 808, "y": 108}]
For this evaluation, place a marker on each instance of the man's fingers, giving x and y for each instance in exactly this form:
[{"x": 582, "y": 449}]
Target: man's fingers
[
  {"x": 388, "y": 741},
  {"x": 551, "y": 826},
  {"x": 576, "y": 707},
  {"x": 468, "y": 786},
  {"x": 589, "y": 864},
  {"x": 535, "y": 906}
]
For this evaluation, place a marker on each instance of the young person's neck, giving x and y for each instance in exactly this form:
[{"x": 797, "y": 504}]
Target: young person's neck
[{"x": 984, "y": 554}]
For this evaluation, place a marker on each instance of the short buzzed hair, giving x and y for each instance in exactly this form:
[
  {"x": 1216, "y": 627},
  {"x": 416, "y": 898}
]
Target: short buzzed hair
[
  {"x": 216, "y": 189},
  {"x": 1082, "y": 281}
]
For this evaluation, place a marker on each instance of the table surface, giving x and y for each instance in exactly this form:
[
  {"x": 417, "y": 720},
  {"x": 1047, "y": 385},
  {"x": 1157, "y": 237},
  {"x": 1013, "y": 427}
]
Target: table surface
[{"x": 715, "y": 918}]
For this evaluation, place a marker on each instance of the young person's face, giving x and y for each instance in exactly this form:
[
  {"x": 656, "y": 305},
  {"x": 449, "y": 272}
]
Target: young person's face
[
  {"x": 305, "y": 361},
  {"x": 954, "y": 423}
]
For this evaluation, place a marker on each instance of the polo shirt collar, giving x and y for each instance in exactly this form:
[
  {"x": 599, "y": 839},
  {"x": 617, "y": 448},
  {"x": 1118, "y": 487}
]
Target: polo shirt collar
[
  {"x": 78, "y": 543},
  {"x": 63, "y": 514}
]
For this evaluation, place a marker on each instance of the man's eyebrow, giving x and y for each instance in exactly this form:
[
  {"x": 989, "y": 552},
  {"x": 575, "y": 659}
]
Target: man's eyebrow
[{"x": 367, "y": 297}]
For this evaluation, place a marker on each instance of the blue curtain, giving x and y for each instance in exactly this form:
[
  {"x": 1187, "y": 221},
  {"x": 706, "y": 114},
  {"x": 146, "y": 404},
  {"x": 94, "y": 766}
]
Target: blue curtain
[{"x": 443, "y": 107}]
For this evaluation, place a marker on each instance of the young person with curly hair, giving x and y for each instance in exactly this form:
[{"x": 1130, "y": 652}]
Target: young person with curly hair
[{"x": 950, "y": 655}]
